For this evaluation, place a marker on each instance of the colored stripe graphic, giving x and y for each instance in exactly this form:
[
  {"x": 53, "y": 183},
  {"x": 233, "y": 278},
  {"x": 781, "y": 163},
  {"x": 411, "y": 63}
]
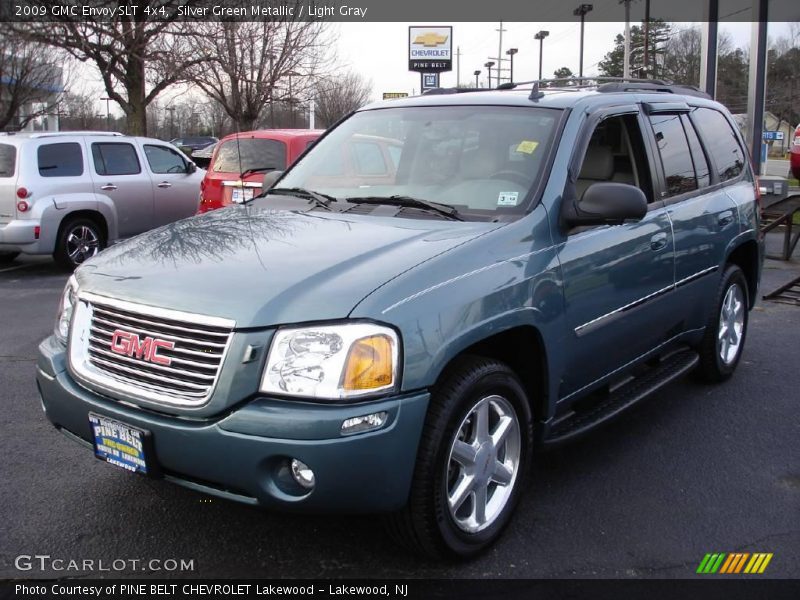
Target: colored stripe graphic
[{"x": 734, "y": 563}]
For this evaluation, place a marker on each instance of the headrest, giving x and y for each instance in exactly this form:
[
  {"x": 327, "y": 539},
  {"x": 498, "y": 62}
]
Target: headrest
[{"x": 598, "y": 164}]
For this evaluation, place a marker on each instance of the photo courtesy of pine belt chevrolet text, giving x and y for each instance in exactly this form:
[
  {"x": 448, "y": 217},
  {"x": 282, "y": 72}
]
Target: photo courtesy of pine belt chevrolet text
[{"x": 400, "y": 330}]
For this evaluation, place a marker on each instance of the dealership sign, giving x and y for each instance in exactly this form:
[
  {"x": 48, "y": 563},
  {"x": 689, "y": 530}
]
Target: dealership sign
[{"x": 430, "y": 49}]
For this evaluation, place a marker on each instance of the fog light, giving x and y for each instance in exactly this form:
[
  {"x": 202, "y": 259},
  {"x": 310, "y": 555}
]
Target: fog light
[
  {"x": 364, "y": 423},
  {"x": 302, "y": 473}
]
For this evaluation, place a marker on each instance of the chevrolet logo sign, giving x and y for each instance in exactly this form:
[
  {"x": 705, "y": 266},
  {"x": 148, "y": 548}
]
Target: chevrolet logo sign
[{"x": 430, "y": 39}]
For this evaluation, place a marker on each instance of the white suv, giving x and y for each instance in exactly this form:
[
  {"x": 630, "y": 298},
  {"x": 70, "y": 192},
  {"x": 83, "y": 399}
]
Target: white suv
[{"x": 70, "y": 194}]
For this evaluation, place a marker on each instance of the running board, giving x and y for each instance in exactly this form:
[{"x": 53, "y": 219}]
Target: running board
[{"x": 578, "y": 423}]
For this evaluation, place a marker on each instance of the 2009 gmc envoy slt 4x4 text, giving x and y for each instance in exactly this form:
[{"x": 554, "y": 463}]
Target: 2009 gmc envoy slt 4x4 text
[{"x": 540, "y": 260}]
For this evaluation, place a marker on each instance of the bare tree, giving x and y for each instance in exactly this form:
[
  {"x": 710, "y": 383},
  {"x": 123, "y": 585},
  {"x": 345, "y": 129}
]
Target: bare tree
[
  {"x": 338, "y": 96},
  {"x": 31, "y": 80},
  {"x": 252, "y": 65},
  {"x": 137, "y": 56},
  {"x": 78, "y": 112}
]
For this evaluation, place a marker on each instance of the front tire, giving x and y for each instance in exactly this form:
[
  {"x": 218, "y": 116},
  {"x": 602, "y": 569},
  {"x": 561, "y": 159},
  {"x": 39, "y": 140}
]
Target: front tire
[
  {"x": 726, "y": 329},
  {"x": 472, "y": 465},
  {"x": 78, "y": 240}
]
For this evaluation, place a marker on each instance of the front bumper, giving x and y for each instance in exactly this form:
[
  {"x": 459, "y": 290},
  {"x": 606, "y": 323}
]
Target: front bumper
[{"x": 242, "y": 454}]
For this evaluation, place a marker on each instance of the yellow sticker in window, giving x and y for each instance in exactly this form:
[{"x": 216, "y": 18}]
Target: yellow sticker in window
[{"x": 527, "y": 146}]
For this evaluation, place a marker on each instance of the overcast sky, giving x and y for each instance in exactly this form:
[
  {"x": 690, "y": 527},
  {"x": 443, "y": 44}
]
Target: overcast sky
[{"x": 379, "y": 51}]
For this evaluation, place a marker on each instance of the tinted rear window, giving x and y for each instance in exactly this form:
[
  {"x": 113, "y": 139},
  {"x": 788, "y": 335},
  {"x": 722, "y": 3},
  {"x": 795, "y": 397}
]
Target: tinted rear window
[
  {"x": 674, "y": 150},
  {"x": 60, "y": 160},
  {"x": 115, "y": 159},
  {"x": 721, "y": 142},
  {"x": 255, "y": 153},
  {"x": 8, "y": 160}
]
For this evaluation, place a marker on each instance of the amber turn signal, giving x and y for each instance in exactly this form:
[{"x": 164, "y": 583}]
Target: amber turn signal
[{"x": 369, "y": 364}]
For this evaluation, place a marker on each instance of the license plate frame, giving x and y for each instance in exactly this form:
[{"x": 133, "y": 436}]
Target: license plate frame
[{"x": 124, "y": 446}]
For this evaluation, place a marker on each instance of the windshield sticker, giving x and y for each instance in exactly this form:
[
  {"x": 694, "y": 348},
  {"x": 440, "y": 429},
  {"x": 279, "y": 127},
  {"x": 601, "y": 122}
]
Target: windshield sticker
[
  {"x": 507, "y": 198},
  {"x": 527, "y": 146}
]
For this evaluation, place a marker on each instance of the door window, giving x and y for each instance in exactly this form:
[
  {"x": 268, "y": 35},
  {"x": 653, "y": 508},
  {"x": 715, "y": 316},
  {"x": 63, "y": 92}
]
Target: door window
[
  {"x": 721, "y": 142},
  {"x": 64, "y": 159},
  {"x": 673, "y": 147},
  {"x": 164, "y": 160},
  {"x": 698, "y": 157},
  {"x": 115, "y": 159},
  {"x": 8, "y": 160}
]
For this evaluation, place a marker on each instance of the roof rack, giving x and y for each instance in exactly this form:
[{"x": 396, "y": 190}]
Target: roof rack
[
  {"x": 454, "y": 90},
  {"x": 44, "y": 134},
  {"x": 606, "y": 85}
]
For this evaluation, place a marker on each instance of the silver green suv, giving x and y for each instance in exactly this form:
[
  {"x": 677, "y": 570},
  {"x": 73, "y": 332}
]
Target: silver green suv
[
  {"x": 396, "y": 332},
  {"x": 71, "y": 194}
]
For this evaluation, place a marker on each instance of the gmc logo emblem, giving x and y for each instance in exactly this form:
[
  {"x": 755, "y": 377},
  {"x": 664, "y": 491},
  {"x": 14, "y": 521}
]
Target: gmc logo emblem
[{"x": 129, "y": 344}]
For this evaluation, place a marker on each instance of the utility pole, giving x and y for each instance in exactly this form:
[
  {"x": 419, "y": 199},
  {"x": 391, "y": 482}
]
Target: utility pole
[
  {"x": 581, "y": 12},
  {"x": 626, "y": 69},
  {"x": 540, "y": 36},
  {"x": 500, "y": 52}
]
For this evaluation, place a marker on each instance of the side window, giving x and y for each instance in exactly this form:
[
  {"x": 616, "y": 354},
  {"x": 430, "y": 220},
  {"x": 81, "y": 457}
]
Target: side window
[
  {"x": 673, "y": 148},
  {"x": 60, "y": 160},
  {"x": 368, "y": 159},
  {"x": 721, "y": 142},
  {"x": 616, "y": 153},
  {"x": 698, "y": 157},
  {"x": 164, "y": 160},
  {"x": 115, "y": 159}
]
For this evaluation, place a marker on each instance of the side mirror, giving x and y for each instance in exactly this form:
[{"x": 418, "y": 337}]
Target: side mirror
[
  {"x": 269, "y": 179},
  {"x": 606, "y": 203},
  {"x": 191, "y": 167}
]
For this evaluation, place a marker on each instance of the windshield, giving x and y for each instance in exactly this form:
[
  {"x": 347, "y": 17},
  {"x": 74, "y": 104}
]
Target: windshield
[
  {"x": 482, "y": 160},
  {"x": 249, "y": 153}
]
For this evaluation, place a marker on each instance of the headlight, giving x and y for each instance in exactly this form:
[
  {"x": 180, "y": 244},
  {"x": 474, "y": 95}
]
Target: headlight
[
  {"x": 332, "y": 361},
  {"x": 65, "y": 306}
]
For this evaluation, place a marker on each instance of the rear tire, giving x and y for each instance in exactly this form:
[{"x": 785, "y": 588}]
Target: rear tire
[
  {"x": 472, "y": 465},
  {"x": 726, "y": 329},
  {"x": 78, "y": 240},
  {"x": 7, "y": 257}
]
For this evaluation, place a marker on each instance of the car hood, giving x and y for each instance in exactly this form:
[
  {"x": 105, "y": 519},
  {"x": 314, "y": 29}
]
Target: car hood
[{"x": 262, "y": 267}]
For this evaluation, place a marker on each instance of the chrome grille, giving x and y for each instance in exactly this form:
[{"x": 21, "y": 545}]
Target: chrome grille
[{"x": 188, "y": 361}]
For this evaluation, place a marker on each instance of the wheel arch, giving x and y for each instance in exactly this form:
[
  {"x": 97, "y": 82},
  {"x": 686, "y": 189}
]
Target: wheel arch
[
  {"x": 747, "y": 257},
  {"x": 515, "y": 346}
]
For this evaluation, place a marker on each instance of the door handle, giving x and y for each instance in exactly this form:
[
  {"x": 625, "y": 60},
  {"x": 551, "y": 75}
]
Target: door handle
[
  {"x": 108, "y": 187},
  {"x": 165, "y": 184},
  {"x": 725, "y": 218},
  {"x": 658, "y": 241}
]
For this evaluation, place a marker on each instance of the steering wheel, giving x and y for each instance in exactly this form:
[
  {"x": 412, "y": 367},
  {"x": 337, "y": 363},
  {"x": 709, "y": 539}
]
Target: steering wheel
[{"x": 510, "y": 175}]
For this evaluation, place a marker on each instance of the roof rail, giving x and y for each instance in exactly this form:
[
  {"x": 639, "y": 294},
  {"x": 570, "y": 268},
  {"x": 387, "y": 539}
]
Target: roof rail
[
  {"x": 453, "y": 90},
  {"x": 44, "y": 134},
  {"x": 606, "y": 85}
]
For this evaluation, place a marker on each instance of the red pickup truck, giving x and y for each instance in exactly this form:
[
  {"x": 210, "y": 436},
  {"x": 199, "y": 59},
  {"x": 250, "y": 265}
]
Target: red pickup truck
[{"x": 253, "y": 153}]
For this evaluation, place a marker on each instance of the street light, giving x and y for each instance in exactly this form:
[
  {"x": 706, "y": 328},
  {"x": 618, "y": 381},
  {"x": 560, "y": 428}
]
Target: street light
[
  {"x": 511, "y": 52},
  {"x": 108, "y": 113},
  {"x": 489, "y": 66},
  {"x": 171, "y": 110},
  {"x": 476, "y": 73},
  {"x": 581, "y": 12},
  {"x": 540, "y": 36}
]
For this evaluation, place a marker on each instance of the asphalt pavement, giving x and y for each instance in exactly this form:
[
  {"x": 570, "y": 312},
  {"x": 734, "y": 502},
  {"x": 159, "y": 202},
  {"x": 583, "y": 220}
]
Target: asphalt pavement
[{"x": 694, "y": 469}]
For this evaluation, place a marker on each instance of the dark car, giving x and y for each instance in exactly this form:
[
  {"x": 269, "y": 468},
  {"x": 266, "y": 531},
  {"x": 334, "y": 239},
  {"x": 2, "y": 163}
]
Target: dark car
[
  {"x": 195, "y": 143},
  {"x": 794, "y": 155},
  {"x": 538, "y": 262}
]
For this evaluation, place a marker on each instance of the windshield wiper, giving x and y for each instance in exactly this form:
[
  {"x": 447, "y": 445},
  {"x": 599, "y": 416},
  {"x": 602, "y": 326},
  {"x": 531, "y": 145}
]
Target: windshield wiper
[
  {"x": 408, "y": 202},
  {"x": 321, "y": 200},
  {"x": 247, "y": 172}
]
